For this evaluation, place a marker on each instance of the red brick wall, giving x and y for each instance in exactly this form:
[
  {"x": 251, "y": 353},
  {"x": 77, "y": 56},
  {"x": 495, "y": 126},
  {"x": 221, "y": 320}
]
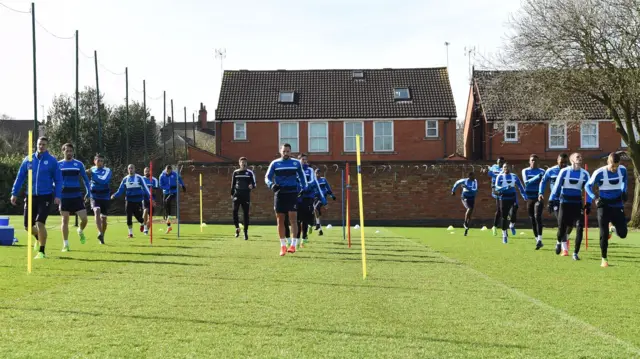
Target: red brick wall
[
  {"x": 402, "y": 194},
  {"x": 409, "y": 142},
  {"x": 534, "y": 138}
]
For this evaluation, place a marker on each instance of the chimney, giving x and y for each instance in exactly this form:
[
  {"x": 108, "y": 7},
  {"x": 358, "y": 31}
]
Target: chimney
[
  {"x": 202, "y": 117},
  {"x": 168, "y": 119}
]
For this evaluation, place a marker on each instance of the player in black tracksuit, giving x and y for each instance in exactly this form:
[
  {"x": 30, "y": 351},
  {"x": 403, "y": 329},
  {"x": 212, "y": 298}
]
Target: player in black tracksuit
[{"x": 242, "y": 183}]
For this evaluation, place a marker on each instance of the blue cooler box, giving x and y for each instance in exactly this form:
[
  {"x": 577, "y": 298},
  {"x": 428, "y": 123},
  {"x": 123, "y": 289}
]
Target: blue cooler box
[
  {"x": 4, "y": 221},
  {"x": 6, "y": 236}
]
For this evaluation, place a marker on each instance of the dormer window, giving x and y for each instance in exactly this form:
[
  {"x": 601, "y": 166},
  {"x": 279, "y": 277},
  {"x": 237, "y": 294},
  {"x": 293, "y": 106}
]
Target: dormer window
[
  {"x": 401, "y": 94},
  {"x": 286, "y": 96},
  {"x": 357, "y": 75}
]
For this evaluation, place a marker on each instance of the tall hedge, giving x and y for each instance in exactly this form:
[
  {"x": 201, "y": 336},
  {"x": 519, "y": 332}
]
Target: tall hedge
[{"x": 9, "y": 165}]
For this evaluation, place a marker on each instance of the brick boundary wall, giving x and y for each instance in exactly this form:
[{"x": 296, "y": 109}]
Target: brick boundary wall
[{"x": 406, "y": 194}]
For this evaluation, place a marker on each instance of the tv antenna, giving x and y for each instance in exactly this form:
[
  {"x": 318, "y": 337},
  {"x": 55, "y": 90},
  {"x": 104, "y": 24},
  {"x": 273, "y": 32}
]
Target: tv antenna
[
  {"x": 446, "y": 44},
  {"x": 221, "y": 54},
  {"x": 470, "y": 52}
]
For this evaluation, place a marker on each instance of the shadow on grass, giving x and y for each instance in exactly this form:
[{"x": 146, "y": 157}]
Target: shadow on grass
[
  {"x": 147, "y": 254},
  {"x": 374, "y": 254},
  {"x": 277, "y": 327},
  {"x": 127, "y": 261},
  {"x": 418, "y": 261},
  {"x": 166, "y": 246}
]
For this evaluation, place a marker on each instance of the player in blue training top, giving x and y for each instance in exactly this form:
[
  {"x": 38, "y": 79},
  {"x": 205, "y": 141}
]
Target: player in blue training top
[
  {"x": 100, "y": 194},
  {"x": 153, "y": 184},
  {"x": 136, "y": 192},
  {"x": 282, "y": 178},
  {"x": 306, "y": 201},
  {"x": 469, "y": 191},
  {"x": 46, "y": 186},
  {"x": 72, "y": 199},
  {"x": 567, "y": 196},
  {"x": 532, "y": 176},
  {"x": 494, "y": 172},
  {"x": 169, "y": 181},
  {"x": 505, "y": 188},
  {"x": 550, "y": 176},
  {"x": 318, "y": 204},
  {"x": 612, "y": 182}
]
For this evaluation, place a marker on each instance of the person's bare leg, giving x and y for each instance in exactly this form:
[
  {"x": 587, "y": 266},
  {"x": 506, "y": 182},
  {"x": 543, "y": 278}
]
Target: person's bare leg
[
  {"x": 104, "y": 225},
  {"x": 83, "y": 219},
  {"x": 98, "y": 219},
  {"x": 64, "y": 227},
  {"x": 42, "y": 234},
  {"x": 293, "y": 220}
]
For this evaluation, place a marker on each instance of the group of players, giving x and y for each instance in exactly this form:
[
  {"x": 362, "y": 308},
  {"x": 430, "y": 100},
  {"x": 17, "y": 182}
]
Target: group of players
[
  {"x": 299, "y": 195},
  {"x": 566, "y": 201},
  {"x": 59, "y": 181}
]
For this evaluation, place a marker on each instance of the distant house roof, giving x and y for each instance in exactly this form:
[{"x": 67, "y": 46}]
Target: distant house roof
[
  {"x": 498, "y": 107},
  {"x": 329, "y": 94},
  {"x": 18, "y": 127}
]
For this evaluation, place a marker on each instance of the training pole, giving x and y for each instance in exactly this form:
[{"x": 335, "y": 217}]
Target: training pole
[
  {"x": 586, "y": 217},
  {"x": 361, "y": 209},
  {"x": 344, "y": 233},
  {"x": 178, "y": 209},
  {"x": 151, "y": 204},
  {"x": 349, "y": 205},
  {"x": 29, "y": 202},
  {"x": 201, "y": 203}
]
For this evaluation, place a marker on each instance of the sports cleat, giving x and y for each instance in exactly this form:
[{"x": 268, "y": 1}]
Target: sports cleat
[
  {"x": 513, "y": 230},
  {"x": 169, "y": 229},
  {"x": 575, "y": 257},
  {"x": 305, "y": 240},
  {"x": 283, "y": 251},
  {"x": 141, "y": 228},
  {"x": 605, "y": 263},
  {"x": 146, "y": 233},
  {"x": 292, "y": 249},
  {"x": 40, "y": 255},
  {"x": 505, "y": 240},
  {"x": 565, "y": 253},
  {"x": 611, "y": 230},
  {"x": 66, "y": 249},
  {"x": 131, "y": 236},
  {"x": 494, "y": 230},
  {"x": 246, "y": 236},
  {"x": 101, "y": 238},
  {"x": 558, "y": 248},
  {"x": 310, "y": 229},
  {"x": 320, "y": 233},
  {"x": 317, "y": 227},
  {"x": 237, "y": 232},
  {"x": 466, "y": 231},
  {"x": 83, "y": 239},
  {"x": 539, "y": 245}
]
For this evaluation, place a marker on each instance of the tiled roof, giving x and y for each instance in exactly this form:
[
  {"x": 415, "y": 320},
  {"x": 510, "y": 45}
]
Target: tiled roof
[
  {"x": 499, "y": 106},
  {"x": 18, "y": 127},
  {"x": 331, "y": 94}
]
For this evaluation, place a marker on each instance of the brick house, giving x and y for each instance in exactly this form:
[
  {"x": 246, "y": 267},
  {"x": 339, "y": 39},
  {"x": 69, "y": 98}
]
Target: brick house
[
  {"x": 492, "y": 130},
  {"x": 401, "y": 114}
]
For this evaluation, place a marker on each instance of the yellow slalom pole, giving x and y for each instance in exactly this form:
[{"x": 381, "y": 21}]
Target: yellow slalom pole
[
  {"x": 29, "y": 202},
  {"x": 364, "y": 255},
  {"x": 201, "y": 203}
]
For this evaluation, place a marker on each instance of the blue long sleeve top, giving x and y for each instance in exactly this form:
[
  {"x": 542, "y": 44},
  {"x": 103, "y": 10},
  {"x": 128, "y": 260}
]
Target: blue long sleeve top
[
  {"x": 134, "y": 188},
  {"x": 47, "y": 178},
  {"x": 152, "y": 184},
  {"x": 469, "y": 187},
  {"x": 313, "y": 189},
  {"x": 611, "y": 185},
  {"x": 532, "y": 177},
  {"x": 569, "y": 185},
  {"x": 494, "y": 172},
  {"x": 100, "y": 181},
  {"x": 506, "y": 184},
  {"x": 169, "y": 182},
  {"x": 549, "y": 177},
  {"x": 324, "y": 186},
  {"x": 285, "y": 173},
  {"x": 72, "y": 171}
]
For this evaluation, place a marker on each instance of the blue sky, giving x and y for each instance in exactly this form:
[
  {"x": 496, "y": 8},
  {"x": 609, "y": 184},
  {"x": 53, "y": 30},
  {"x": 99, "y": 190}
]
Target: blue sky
[{"x": 171, "y": 43}]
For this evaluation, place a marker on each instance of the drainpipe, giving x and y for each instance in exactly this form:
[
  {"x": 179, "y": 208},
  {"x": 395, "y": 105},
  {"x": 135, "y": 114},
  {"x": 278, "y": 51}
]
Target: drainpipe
[{"x": 445, "y": 138}]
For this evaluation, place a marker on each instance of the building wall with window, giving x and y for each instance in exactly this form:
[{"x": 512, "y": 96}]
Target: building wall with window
[{"x": 335, "y": 140}]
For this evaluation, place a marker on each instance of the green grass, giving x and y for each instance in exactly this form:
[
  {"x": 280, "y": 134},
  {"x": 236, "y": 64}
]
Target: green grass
[{"x": 429, "y": 294}]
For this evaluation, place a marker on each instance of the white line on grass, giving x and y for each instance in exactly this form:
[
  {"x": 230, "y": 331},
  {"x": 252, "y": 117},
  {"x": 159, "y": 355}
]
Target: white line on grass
[{"x": 566, "y": 316}]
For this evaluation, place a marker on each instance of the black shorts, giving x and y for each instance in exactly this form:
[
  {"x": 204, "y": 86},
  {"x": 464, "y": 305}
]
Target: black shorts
[
  {"x": 285, "y": 202},
  {"x": 103, "y": 204},
  {"x": 468, "y": 203},
  {"x": 241, "y": 198},
  {"x": 40, "y": 207},
  {"x": 72, "y": 205}
]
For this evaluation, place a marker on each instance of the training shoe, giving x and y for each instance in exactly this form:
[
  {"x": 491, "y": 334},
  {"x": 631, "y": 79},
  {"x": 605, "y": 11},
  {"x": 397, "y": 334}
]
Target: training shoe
[
  {"x": 141, "y": 228},
  {"x": 169, "y": 229},
  {"x": 40, "y": 255},
  {"x": 320, "y": 233},
  {"x": 575, "y": 257},
  {"x": 513, "y": 230},
  {"x": 101, "y": 238},
  {"x": 466, "y": 231},
  {"x": 237, "y": 232},
  {"x": 66, "y": 249},
  {"x": 83, "y": 239},
  {"x": 317, "y": 227},
  {"x": 146, "y": 233},
  {"x": 283, "y": 251},
  {"x": 495, "y": 231},
  {"x": 310, "y": 229},
  {"x": 605, "y": 263},
  {"x": 558, "y": 248},
  {"x": 131, "y": 236},
  {"x": 611, "y": 230},
  {"x": 292, "y": 249},
  {"x": 505, "y": 240},
  {"x": 564, "y": 254},
  {"x": 246, "y": 236},
  {"x": 539, "y": 245},
  {"x": 305, "y": 240}
]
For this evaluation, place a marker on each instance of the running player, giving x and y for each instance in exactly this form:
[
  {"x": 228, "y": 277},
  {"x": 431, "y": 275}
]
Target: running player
[
  {"x": 532, "y": 176},
  {"x": 47, "y": 183},
  {"x": 282, "y": 178},
  {"x": 242, "y": 182},
  {"x": 72, "y": 201},
  {"x": 494, "y": 172},
  {"x": 136, "y": 191},
  {"x": 318, "y": 204},
  {"x": 100, "y": 193},
  {"x": 505, "y": 188},
  {"x": 550, "y": 177},
  {"x": 169, "y": 181},
  {"x": 612, "y": 182},
  {"x": 469, "y": 191},
  {"x": 567, "y": 196},
  {"x": 153, "y": 184},
  {"x": 306, "y": 201}
]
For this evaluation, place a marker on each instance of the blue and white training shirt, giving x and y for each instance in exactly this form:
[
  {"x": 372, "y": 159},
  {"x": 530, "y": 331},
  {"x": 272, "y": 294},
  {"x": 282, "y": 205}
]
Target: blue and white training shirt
[
  {"x": 134, "y": 187},
  {"x": 532, "y": 177},
  {"x": 152, "y": 184},
  {"x": 494, "y": 172},
  {"x": 569, "y": 185},
  {"x": 313, "y": 189},
  {"x": 100, "y": 180},
  {"x": 324, "y": 186},
  {"x": 611, "y": 185},
  {"x": 469, "y": 187},
  {"x": 506, "y": 184},
  {"x": 47, "y": 178},
  {"x": 71, "y": 172},
  {"x": 285, "y": 173},
  {"x": 550, "y": 176},
  {"x": 169, "y": 182}
]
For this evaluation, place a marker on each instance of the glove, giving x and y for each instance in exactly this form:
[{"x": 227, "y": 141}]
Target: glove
[
  {"x": 333, "y": 197},
  {"x": 625, "y": 197},
  {"x": 184, "y": 189},
  {"x": 587, "y": 208},
  {"x": 275, "y": 187},
  {"x": 599, "y": 203},
  {"x": 453, "y": 193},
  {"x": 552, "y": 206}
]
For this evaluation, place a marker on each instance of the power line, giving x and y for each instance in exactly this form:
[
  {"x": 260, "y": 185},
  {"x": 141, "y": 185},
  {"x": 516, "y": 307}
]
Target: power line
[
  {"x": 112, "y": 72},
  {"x": 85, "y": 55},
  {"x": 14, "y": 10},
  {"x": 54, "y": 35}
]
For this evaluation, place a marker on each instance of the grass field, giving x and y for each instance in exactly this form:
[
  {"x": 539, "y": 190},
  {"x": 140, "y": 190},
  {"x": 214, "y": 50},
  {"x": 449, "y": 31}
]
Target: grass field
[{"x": 429, "y": 294}]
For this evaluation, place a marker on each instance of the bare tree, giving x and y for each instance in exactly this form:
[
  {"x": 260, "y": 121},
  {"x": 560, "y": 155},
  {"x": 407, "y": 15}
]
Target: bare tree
[{"x": 575, "y": 59}]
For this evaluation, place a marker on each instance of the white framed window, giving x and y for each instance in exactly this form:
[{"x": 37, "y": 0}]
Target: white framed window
[
  {"x": 557, "y": 135},
  {"x": 318, "y": 137},
  {"x": 635, "y": 132},
  {"x": 239, "y": 131},
  {"x": 286, "y": 96},
  {"x": 432, "y": 128},
  {"x": 289, "y": 134},
  {"x": 401, "y": 93},
  {"x": 351, "y": 129},
  {"x": 383, "y": 136},
  {"x": 510, "y": 132},
  {"x": 589, "y": 134}
]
